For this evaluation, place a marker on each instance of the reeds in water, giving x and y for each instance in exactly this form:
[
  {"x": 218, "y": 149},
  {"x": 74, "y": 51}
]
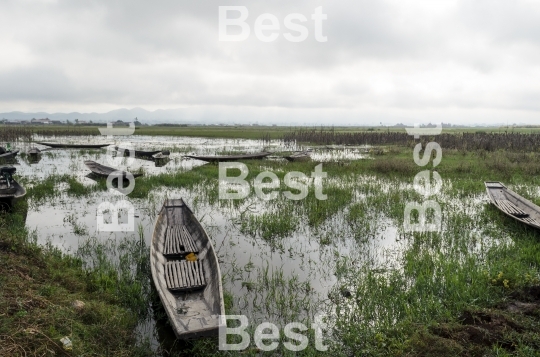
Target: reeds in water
[{"x": 460, "y": 141}]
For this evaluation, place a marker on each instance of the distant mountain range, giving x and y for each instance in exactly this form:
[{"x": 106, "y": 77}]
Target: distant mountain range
[
  {"x": 143, "y": 115},
  {"x": 191, "y": 115},
  {"x": 213, "y": 115}
]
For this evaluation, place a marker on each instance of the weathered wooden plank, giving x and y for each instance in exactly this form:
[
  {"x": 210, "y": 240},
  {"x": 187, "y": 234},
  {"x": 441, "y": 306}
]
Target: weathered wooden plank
[
  {"x": 168, "y": 241},
  {"x": 188, "y": 241},
  {"x": 168, "y": 280},
  {"x": 194, "y": 266},
  {"x": 177, "y": 277},
  {"x": 510, "y": 208},
  {"x": 186, "y": 273},
  {"x": 166, "y": 277},
  {"x": 201, "y": 269},
  {"x": 190, "y": 273},
  {"x": 185, "y": 283},
  {"x": 177, "y": 245}
]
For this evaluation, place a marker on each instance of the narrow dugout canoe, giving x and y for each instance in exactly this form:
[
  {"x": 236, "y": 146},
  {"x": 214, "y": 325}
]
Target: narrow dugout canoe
[
  {"x": 74, "y": 146},
  {"x": 137, "y": 152},
  {"x": 34, "y": 152},
  {"x": 299, "y": 156},
  {"x": 104, "y": 171},
  {"x": 162, "y": 155},
  {"x": 9, "y": 155},
  {"x": 223, "y": 158},
  {"x": 190, "y": 291},
  {"x": 512, "y": 204}
]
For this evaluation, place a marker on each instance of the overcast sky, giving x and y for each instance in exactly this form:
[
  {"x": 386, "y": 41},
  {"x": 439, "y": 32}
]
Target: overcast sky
[{"x": 384, "y": 61}]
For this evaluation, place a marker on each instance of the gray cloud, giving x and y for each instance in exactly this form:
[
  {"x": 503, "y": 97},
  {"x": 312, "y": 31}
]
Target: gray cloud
[{"x": 386, "y": 60}]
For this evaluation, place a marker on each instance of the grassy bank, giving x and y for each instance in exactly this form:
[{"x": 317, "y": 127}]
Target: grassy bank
[{"x": 46, "y": 295}]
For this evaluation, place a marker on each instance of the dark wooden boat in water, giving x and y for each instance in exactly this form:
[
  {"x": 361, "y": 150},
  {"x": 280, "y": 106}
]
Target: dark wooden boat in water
[
  {"x": 137, "y": 152},
  {"x": 162, "y": 155},
  {"x": 299, "y": 156},
  {"x": 222, "y": 158},
  {"x": 105, "y": 171},
  {"x": 8, "y": 155},
  {"x": 186, "y": 272},
  {"x": 10, "y": 190},
  {"x": 74, "y": 146},
  {"x": 34, "y": 152},
  {"x": 512, "y": 204}
]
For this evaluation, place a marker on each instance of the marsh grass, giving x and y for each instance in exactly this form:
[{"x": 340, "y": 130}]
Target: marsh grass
[
  {"x": 35, "y": 318},
  {"x": 40, "y": 190},
  {"x": 381, "y": 305},
  {"x": 120, "y": 268}
]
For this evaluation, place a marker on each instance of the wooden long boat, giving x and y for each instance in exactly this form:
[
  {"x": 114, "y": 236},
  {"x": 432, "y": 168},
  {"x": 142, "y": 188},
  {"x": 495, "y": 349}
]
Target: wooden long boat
[
  {"x": 186, "y": 273},
  {"x": 34, "y": 152},
  {"x": 162, "y": 155},
  {"x": 137, "y": 152},
  {"x": 74, "y": 146},
  {"x": 10, "y": 190},
  {"x": 9, "y": 155},
  {"x": 105, "y": 171},
  {"x": 512, "y": 204},
  {"x": 299, "y": 156},
  {"x": 223, "y": 158}
]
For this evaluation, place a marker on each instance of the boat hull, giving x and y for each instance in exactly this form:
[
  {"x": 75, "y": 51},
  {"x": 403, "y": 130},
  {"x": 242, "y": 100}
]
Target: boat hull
[
  {"x": 299, "y": 157},
  {"x": 34, "y": 152},
  {"x": 196, "y": 313},
  {"x": 225, "y": 158},
  {"x": 9, "y": 155},
  {"x": 105, "y": 171},
  {"x": 10, "y": 198},
  {"x": 138, "y": 153},
  {"x": 74, "y": 146},
  {"x": 512, "y": 204}
]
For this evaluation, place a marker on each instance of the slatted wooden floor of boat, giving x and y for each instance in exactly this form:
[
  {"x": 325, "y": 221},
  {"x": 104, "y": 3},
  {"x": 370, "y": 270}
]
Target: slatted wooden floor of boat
[
  {"x": 179, "y": 242},
  {"x": 183, "y": 275},
  {"x": 511, "y": 208}
]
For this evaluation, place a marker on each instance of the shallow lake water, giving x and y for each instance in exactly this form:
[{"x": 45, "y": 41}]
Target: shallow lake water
[{"x": 302, "y": 256}]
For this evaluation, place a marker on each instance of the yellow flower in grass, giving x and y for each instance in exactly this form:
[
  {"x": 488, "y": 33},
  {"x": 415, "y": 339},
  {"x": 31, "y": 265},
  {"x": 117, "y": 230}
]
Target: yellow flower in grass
[{"x": 505, "y": 283}]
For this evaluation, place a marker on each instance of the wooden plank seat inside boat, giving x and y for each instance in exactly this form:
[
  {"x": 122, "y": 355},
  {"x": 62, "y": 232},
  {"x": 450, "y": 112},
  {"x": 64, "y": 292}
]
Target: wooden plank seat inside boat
[
  {"x": 511, "y": 208},
  {"x": 179, "y": 242},
  {"x": 184, "y": 275}
]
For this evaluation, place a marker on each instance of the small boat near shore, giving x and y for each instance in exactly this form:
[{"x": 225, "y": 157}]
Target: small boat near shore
[
  {"x": 105, "y": 171},
  {"x": 137, "y": 152},
  {"x": 512, "y": 204},
  {"x": 186, "y": 273},
  {"x": 34, "y": 152},
  {"x": 299, "y": 156},
  {"x": 6, "y": 155},
  {"x": 162, "y": 155},
  {"x": 224, "y": 158},
  {"x": 74, "y": 146},
  {"x": 10, "y": 190}
]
